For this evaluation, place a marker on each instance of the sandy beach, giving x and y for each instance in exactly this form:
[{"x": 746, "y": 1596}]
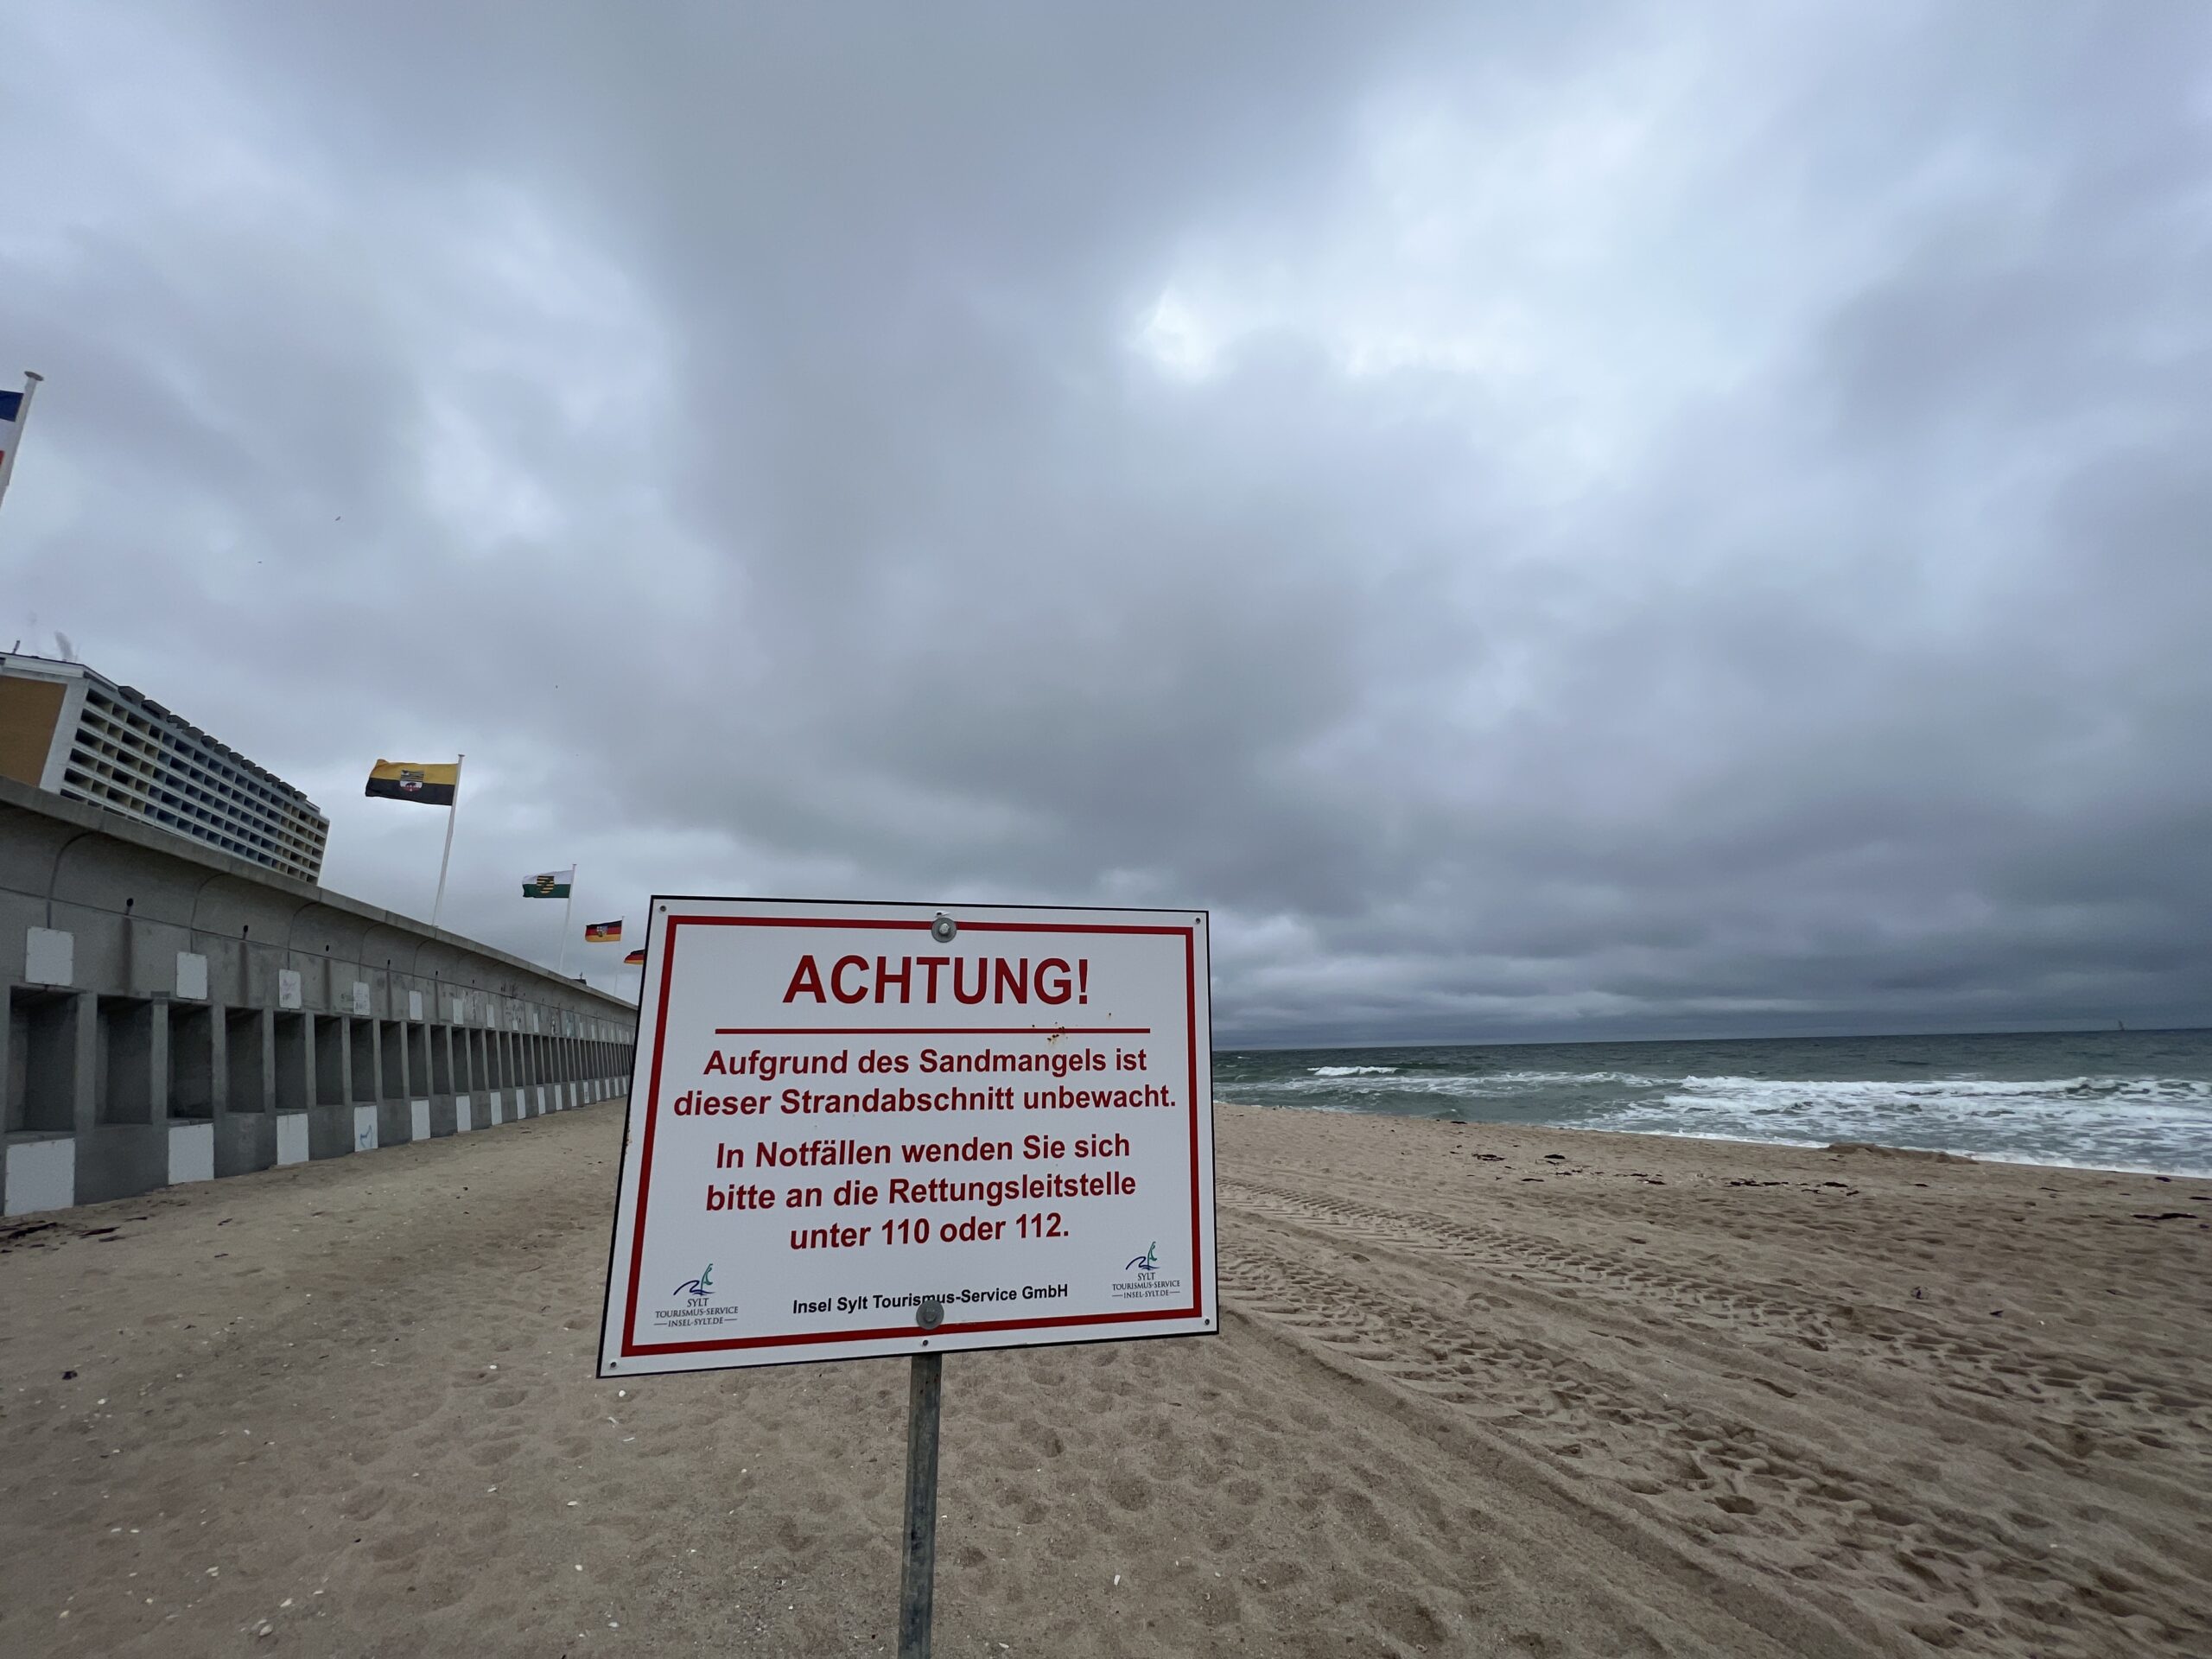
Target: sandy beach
[{"x": 1479, "y": 1391}]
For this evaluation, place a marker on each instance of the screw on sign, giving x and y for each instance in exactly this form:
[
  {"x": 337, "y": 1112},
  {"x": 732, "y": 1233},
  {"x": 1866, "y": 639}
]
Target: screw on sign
[{"x": 871, "y": 1131}]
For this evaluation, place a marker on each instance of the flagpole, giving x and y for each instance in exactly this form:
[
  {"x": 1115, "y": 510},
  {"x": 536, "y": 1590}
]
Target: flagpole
[
  {"x": 567, "y": 911},
  {"x": 452, "y": 812},
  {"x": 22, "y": 421}
]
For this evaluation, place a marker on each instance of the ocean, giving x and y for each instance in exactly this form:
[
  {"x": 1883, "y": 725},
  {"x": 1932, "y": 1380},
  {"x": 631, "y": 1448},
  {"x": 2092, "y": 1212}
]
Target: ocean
[{"x": 2097, "y": 1100}]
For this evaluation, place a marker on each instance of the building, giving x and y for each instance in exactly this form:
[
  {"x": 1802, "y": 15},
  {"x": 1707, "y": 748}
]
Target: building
[{"x": 77, "y": 733}]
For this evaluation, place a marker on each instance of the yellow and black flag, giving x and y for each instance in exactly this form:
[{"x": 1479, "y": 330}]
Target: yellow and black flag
[{"x": 431, "y": 783}]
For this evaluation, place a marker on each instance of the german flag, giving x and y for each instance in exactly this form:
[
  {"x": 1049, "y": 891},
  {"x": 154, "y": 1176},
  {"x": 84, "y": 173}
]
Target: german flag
[
  {"x": 431, "y": 782},
  {"x": 602, "y": 933},
  {"x": 635, "y": 959}
]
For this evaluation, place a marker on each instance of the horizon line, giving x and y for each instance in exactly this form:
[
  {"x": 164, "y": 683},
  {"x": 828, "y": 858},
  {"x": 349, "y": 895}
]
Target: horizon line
[{"x": 1797, "y": 1037}]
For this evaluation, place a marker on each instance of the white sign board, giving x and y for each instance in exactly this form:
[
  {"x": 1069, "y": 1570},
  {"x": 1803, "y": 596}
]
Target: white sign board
[{"x": 837, "y": 1114}]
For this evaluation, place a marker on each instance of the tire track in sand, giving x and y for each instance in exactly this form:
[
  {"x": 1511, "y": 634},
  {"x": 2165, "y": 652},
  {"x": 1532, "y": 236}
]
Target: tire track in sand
[
  {"x": 2081, "y": 1404},
  {"x": 1721, "y": 1482}
]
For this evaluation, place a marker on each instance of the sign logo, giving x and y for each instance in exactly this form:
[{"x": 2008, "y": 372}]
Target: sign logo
[
  {"x": 410, "y": 781},
  {"x": 544, "y": 885},
  {"x": 702, "y": 1286},
  {"x": 698, "y": 1306},
  {"x": 1143, "y": 1280}
]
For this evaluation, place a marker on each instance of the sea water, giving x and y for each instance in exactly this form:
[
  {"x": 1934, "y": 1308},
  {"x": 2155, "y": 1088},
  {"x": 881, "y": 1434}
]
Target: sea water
[{"x": 2115, "y": 1100}]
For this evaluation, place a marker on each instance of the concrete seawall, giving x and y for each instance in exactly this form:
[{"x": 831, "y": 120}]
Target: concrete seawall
[{"x": 176, "y": 1014}]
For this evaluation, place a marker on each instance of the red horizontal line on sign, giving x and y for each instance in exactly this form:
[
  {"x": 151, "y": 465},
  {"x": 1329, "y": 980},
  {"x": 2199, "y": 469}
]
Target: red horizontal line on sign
[{"x": 932, "y": 1031}]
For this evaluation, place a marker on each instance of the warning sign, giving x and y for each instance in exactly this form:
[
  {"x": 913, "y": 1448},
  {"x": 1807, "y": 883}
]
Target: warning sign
[{"x": 842, "y": 1112}]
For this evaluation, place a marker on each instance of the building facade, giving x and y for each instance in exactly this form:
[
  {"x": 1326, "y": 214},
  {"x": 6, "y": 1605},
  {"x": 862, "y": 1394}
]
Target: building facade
[
  {"x": 79, "y": 734},
  {"x": 176, "y": 1013}
]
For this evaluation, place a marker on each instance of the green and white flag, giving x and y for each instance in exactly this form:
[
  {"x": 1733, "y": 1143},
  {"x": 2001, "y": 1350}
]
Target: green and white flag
[{"x": 554, "y": 884}]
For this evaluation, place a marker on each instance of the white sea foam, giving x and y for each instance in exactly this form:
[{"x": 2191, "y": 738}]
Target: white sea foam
[
  {"x": 1387, "y": 1080},
  {"x": 2009, "y": 1155},
  {"x": 2160, "y": 1124},
  {"x": 2177, "y": 1090},
  {"x": 2155, "y": 1124}
]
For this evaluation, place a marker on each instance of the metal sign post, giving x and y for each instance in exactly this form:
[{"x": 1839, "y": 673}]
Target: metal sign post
[{"x": 918, "y": 1569}]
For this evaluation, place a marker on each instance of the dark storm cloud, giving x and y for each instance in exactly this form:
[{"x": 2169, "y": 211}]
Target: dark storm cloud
[{"x": 1657, "y": 519}]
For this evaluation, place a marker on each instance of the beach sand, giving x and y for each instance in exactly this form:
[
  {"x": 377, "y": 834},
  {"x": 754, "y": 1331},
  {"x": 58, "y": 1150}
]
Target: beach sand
[{"x": 1479, "y": 1391}]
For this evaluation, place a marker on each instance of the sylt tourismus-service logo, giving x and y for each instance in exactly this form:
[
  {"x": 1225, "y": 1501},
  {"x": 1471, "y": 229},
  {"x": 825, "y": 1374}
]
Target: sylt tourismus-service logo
[
  {"x": 698, "y": 1306},
  {"x": 1144, "y": 1279}
]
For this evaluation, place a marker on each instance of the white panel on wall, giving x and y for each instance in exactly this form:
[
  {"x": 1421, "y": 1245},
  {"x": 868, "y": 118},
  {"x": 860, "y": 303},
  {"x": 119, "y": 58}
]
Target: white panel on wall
[
  {"x": 413, "y": 1005},
  {"x": 288, "y": 988},
  {"x": 291, "y": 1138},
  {"x": 360, "y": 999},
  {"x": 192, "y": 975},
  {"x": 49, "y": 955},
  {"x": 461, "y": 1117},
  {"x": 365, "y": 1128},
  {"x": 192, "y": 1152},
  {"x": 418, "y": 1112},
  {"x": 42, "y": 1175}
]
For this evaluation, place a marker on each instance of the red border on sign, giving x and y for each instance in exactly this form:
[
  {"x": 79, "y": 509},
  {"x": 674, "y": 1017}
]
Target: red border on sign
[{"x": 633, "y": 1349}]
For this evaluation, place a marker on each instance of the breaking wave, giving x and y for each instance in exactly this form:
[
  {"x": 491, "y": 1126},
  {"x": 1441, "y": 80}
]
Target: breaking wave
[{"x": 2091, "y": 1118}]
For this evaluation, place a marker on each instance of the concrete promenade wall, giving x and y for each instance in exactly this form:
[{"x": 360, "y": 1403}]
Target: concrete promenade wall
[{"x": 176, "y": 1015}]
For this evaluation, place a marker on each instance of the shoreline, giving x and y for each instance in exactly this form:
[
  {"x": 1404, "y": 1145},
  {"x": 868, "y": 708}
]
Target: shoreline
[{"x": 1951, "y": 1153}]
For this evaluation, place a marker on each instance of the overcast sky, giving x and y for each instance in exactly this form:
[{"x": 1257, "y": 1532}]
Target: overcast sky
[{"x": 1590, "y": 520}]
